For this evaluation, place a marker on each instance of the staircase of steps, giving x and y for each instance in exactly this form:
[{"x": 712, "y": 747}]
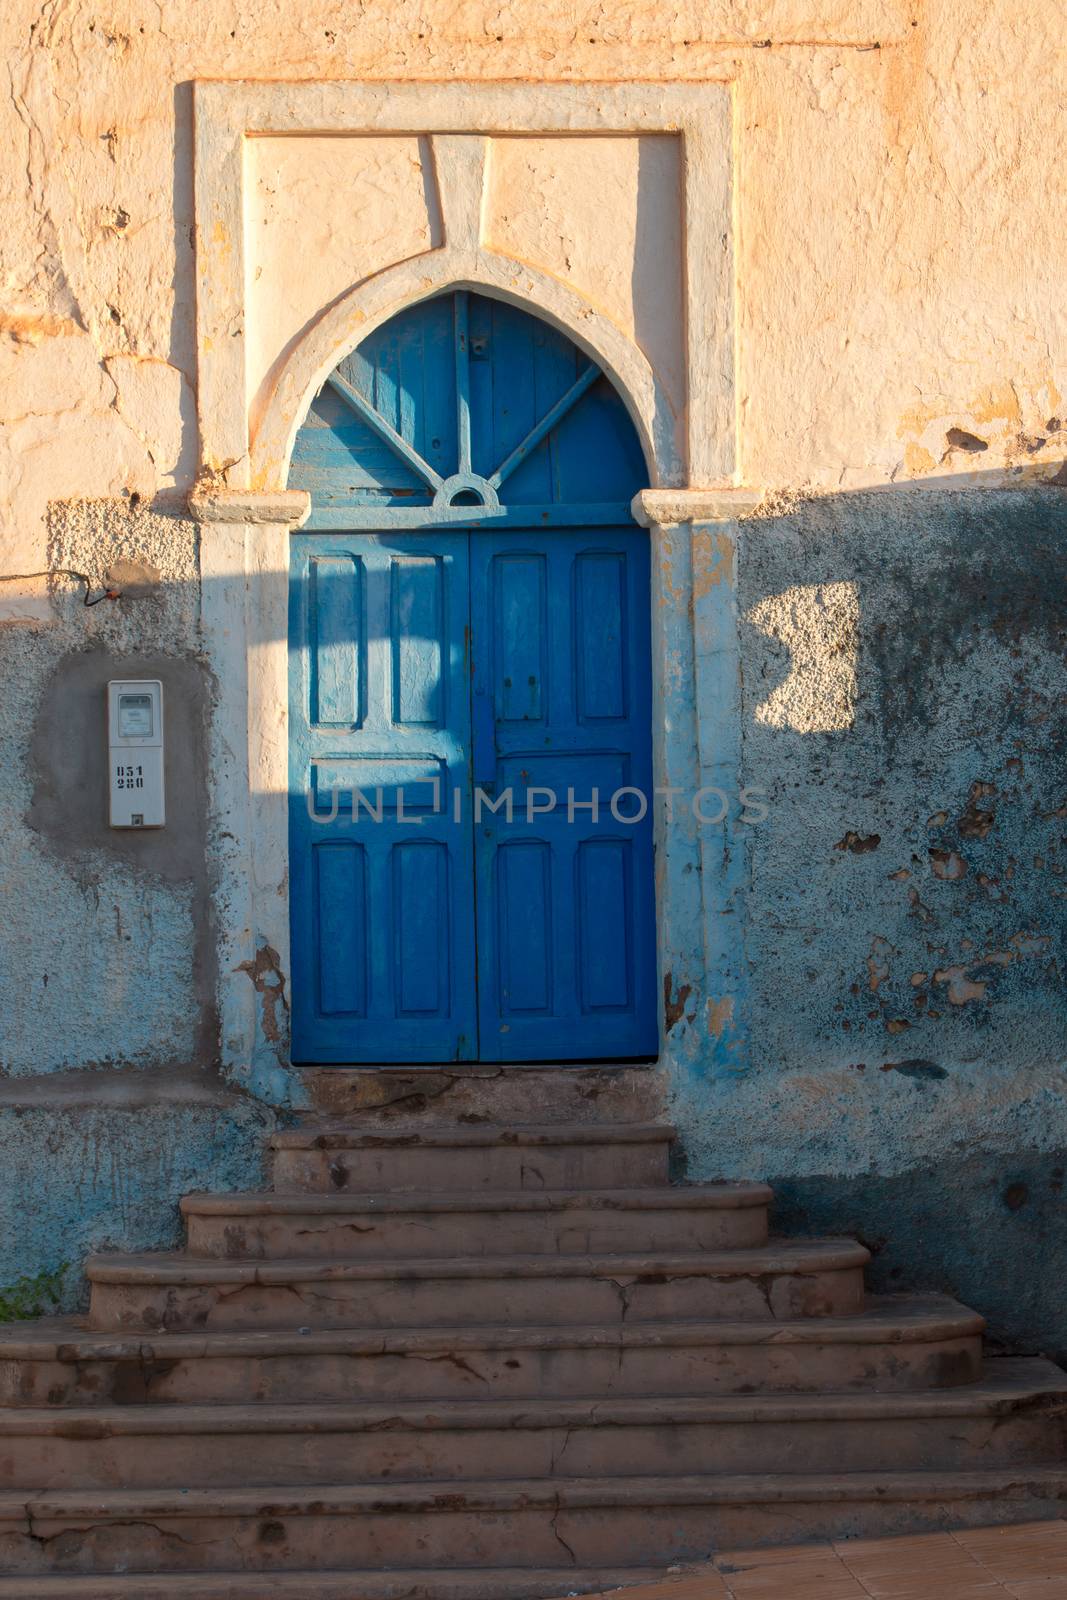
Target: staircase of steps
[{"x": 458, "y": 1360}]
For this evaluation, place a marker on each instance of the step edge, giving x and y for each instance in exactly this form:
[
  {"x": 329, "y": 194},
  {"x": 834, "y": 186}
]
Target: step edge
[
  {"x": 170, "y": 1267},
  {"x": 91, "y": 1424},
  {"x": 85, "y": 1345},
  {"x": 268, "y": 1202},
  {"x": 531, "y": 1493},
  {"x": 494, "y": 1136},
  {"x": 102, "y": 1586}
]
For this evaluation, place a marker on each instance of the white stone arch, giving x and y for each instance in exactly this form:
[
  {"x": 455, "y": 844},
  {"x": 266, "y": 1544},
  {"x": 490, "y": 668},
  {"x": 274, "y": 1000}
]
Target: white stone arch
[{"x": 369, "y": 304}]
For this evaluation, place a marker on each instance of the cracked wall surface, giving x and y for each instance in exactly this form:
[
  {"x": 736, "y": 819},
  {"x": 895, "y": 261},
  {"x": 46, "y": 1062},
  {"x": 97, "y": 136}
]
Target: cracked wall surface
[{"x": 906, "y": 935}]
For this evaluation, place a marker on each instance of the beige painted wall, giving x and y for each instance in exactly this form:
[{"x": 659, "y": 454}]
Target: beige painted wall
[
  {"x": 901, "y": 237},
  {"x": 323, "y": 213},
  {"x": 320, "y": 215}
]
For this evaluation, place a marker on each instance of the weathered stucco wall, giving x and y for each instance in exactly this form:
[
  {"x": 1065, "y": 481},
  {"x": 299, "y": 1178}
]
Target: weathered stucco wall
[
  {"x": 110, "y": 1103},
  {"x": 905, "y": 716},
  {"x": 900, "y": 255}
]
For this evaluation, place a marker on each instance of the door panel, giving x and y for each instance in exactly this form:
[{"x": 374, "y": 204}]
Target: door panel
[
  {"x": 524, "y": 928},
  {"x": 382, "y": 887},
  {"x": 416, "y": 637},
  {"x": 562, "y": 710},
  {"x": 338, "y": 652},
  {"x": 339, "y": 892}
]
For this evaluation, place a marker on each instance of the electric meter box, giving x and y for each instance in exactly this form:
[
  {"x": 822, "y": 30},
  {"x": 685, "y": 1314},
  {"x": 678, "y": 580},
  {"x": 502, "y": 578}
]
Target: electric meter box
[{"x": 135, "y": 752}]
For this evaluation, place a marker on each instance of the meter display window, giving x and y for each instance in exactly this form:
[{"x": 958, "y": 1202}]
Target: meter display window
[{"x": 135, "y": 716}]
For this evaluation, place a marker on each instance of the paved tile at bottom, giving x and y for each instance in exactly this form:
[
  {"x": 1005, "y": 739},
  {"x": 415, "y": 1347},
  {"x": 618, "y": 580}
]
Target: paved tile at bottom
[{"x": 1027, "y": 1562}]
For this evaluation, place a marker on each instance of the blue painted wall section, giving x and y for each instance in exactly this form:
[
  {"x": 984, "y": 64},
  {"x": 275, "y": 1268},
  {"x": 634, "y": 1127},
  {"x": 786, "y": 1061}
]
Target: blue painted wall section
[
  {"x": 678, "y": 857},
  {"x": 723, "y": 842},
  {"x": 111, "y": 1102},
  {"x": 85, "y": 1173}
]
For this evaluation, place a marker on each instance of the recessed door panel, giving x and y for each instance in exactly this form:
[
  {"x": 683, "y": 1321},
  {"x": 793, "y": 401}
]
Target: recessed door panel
[
  {"x": 605, "y": 900},
  {"x": 600, "y": 635},
  {"x": 335, "y": 611},
  {"x": 342, "y": 937},
  {"x": 421, "y": 928},
  {"x": 524, "y": 944},
  {"x": 521, "y": 625},
  {"x": 416, "y": 626}
]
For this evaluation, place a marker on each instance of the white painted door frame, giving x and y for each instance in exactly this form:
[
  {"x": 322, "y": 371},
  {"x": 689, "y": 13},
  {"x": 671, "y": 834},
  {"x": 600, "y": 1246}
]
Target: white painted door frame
[{"x": 245, "y": 511}]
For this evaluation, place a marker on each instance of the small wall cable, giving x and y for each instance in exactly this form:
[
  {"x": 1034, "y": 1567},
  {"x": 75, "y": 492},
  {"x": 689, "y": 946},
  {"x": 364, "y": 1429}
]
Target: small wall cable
[{"x": 64, "y": 572}]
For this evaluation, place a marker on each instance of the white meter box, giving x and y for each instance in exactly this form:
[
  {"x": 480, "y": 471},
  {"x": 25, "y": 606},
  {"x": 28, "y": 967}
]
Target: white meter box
[{"x": 135, "y": 752}]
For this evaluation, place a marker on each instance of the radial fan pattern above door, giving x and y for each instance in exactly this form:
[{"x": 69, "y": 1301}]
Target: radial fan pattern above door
[{"x": 473, "y": 411}]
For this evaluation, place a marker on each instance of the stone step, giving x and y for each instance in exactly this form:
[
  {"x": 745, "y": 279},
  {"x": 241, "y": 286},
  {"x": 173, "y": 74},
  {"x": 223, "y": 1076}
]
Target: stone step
[
  {"x": 784, "y": 1279},
  {"x": 323, "y": 1159},
  {"x": 1016, "y": 1414},
  {"x": 596, "y": 1522},
  {"x": 898, "y": 1343},
  {"x": 482, "y": 1583},
  {"x": 467, "y": 1094},
  {"x": 388, "y": 1227}
]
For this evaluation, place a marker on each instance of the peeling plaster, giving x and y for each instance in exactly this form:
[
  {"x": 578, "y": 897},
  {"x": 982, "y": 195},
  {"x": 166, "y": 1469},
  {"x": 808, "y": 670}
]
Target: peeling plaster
[{"x": 268, "y": 980}]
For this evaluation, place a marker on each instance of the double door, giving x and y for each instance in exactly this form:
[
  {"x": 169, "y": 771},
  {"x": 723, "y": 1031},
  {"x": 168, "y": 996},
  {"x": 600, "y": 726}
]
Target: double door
[{"x": 471, "y": 872}]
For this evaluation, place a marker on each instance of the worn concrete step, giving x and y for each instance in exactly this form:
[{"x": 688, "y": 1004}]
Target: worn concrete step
[
  {"x": 332, "y": 1159},
  {"x": 722, "y": 1216},
  {"x": 787, "y": 1278},
  {"x": 481, "y": 1583},
  {"x": 1016, "y": 1414},
  {"x": 597, "y": 1522},
  {"x": 463, "y": 1095},
  {"x": 897, "y": 1343}
]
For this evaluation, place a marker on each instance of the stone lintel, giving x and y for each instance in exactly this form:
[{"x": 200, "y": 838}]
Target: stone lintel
[
  {"x": 291, "y": 506},
  {"x": 666, "y": 507}
]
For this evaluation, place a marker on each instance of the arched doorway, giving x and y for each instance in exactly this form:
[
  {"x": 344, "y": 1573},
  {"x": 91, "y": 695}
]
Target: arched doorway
[{"x": 470, "y": 702}]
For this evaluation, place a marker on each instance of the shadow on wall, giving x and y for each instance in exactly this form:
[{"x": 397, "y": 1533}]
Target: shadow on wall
[{"x": 905, "y": 711}]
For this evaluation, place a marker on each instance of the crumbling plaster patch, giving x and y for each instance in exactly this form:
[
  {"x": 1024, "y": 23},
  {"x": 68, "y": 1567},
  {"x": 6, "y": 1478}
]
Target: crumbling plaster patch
[{"x": 816, "y": 625}]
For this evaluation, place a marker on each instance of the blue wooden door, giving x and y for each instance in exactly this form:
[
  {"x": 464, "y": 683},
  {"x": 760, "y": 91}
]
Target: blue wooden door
[
  {"x": 381, "y": 897},
  {"x": 562, "y": 750},
  {"x": 469, "y": 625}
]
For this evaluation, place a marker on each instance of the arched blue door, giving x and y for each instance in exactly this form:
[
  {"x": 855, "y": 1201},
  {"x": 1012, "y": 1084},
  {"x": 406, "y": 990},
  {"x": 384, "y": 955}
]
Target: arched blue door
[{"x": 471, "y": 871}]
